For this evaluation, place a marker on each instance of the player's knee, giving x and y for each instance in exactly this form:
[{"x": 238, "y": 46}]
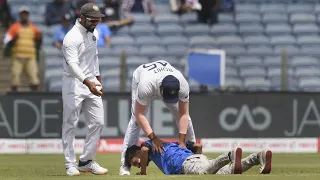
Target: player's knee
[{"x": 99, "y": 123}]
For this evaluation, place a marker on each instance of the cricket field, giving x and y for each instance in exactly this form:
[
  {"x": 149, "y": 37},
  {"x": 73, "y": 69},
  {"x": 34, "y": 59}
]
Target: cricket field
[{"x": 51, "y": 167}]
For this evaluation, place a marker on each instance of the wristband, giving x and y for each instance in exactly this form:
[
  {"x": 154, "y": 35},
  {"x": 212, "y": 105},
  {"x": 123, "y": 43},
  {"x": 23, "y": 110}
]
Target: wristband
[{"x": 152, "y": 136}]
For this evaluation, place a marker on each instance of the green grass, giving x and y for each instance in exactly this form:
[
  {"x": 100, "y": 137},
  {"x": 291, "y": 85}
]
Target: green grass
[{"x": 51, "y": 167}]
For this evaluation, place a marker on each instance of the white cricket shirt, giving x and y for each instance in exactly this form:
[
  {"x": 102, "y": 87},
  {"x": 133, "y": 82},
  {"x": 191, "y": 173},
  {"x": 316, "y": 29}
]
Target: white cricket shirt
[
  {"x": 80, "y": 46},
  {"x": 150, "y": 76}
]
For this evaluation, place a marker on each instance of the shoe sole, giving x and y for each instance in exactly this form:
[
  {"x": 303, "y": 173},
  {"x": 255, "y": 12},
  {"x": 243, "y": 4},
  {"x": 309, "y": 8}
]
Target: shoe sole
[
  {"x": 124, "y": 174},
  {"x": 237, "y": 161},
  {"x": 267, "y": 167},
  {"x": 92, "y": 172},
  {"x": 74, "y": 174}
]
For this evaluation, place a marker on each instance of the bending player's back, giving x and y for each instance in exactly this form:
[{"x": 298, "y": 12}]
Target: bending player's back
[
  {"x": 156, "y": 68},
  {"x": 149, "y": 78}
]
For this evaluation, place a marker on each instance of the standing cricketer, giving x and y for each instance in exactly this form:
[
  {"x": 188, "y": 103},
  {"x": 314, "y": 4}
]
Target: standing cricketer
[
  {"x": 82, "y": 90},
  {"x": 157, "y": 80}
]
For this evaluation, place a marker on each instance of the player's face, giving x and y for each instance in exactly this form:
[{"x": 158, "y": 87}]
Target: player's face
[
  {"x": 135, "y": 161},
  {"x": 90, "y": 23}
]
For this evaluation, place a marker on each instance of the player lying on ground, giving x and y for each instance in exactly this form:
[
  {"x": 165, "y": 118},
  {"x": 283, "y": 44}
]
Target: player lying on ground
[{"x": 178, "y": 160}]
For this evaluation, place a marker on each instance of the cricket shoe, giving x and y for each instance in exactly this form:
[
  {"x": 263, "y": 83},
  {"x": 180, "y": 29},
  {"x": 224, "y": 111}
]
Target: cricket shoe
[
  {"x": 124, "y": 171},
  {"x": 93, "y": 167},
  {"x": 73, "y": 171},
  {"x": 265, "y": 158},
  {"x": 235, "y": 157}
]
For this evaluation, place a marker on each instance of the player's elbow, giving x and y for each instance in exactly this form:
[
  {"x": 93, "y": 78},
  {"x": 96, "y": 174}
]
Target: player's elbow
[
  {"x": 139, "y": 118},
  {"x": 99, "y": 123},
  {"x": 184, "y": 117},
  {"x": 139, "y": 111},
  {"x": 183, "y": 108},
  {"x": 144, "y": 149}
]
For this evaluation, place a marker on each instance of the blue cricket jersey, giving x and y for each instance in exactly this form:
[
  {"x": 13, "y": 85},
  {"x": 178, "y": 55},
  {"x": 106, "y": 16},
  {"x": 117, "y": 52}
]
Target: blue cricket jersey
[{"x": 171, "y": 160}]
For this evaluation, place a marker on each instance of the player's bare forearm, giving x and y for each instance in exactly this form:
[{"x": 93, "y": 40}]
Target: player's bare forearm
[
  {"x": 144, "y": 160},
  {"x": 184, "y": 117},
  {"x": 144, "y": 124},
  {"x": 182, "y": 139},
  {"x": 183, "y": 124},
  {"x": 142, "y": 119}
]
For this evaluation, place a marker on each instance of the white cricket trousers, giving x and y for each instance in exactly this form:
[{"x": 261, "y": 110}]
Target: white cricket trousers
[
  {"x": 133, "y": 130},
  {"x": 76, "y": 97},
  {"x": 200, "y": 164}
]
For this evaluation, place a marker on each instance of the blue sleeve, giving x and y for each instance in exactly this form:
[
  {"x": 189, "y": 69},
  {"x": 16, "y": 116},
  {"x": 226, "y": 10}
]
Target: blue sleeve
[
  {"x": 56, "y": 35},
  {"x": 147, "y": 144},
  {"x": 106, "y": 31}
]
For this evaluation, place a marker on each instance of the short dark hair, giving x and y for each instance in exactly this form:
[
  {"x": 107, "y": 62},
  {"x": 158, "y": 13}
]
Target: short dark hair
[{"x": 130, "y": 153}]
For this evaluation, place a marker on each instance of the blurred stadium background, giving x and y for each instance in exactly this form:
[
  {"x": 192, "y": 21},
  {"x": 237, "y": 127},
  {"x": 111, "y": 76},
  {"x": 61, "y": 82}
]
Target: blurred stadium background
[
  {"x": 253, "y": 38},
  {"x": 269, "y": 98}
]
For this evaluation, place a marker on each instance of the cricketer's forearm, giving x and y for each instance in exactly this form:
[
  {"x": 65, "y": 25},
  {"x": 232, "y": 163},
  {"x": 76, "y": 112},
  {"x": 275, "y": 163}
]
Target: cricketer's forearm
[
  {"x": 144, "y": 124},
  {"x": 183, "y": 126},
  {"x": 144, "y": 160},
  {"x": 183, "y": 121}
]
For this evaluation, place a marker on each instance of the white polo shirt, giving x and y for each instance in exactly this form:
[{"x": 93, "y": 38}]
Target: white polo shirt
[
  {"x": 80, "y": 46},
  {"x": 149, "y": 77}
]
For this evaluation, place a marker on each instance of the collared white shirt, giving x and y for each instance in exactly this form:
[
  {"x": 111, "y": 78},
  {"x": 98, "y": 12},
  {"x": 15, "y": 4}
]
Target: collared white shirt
[
  {"x": 150, "y": 76},
  {"x": 80, "y": 46}
]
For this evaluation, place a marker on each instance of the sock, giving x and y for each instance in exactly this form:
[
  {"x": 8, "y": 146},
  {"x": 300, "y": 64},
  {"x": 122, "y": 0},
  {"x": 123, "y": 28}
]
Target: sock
[{"x": 84, "y": 163}]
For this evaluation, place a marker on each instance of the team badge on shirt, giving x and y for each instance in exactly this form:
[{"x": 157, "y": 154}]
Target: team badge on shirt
[{"x": 94, "y": 38}]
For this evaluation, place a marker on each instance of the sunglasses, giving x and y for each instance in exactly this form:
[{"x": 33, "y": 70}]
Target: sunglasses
[{"x": 93, "y": 20}]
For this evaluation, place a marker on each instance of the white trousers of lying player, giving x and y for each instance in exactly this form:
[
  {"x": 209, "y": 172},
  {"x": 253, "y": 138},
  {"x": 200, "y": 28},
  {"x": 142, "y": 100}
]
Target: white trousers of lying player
[{"x": 133, "y": 130}]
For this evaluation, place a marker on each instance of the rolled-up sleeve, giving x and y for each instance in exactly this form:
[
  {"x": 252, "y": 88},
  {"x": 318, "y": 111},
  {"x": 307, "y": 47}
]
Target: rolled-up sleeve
[
  {"x": 144, "y": 93},
  {"x": 184, "y": 90}
]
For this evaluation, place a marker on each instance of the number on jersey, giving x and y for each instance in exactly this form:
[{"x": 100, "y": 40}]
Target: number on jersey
[{"x": 154, "y": 65}]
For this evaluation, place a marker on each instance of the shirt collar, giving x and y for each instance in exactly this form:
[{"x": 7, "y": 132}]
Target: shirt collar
[{"x": 80, "y": 27}]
